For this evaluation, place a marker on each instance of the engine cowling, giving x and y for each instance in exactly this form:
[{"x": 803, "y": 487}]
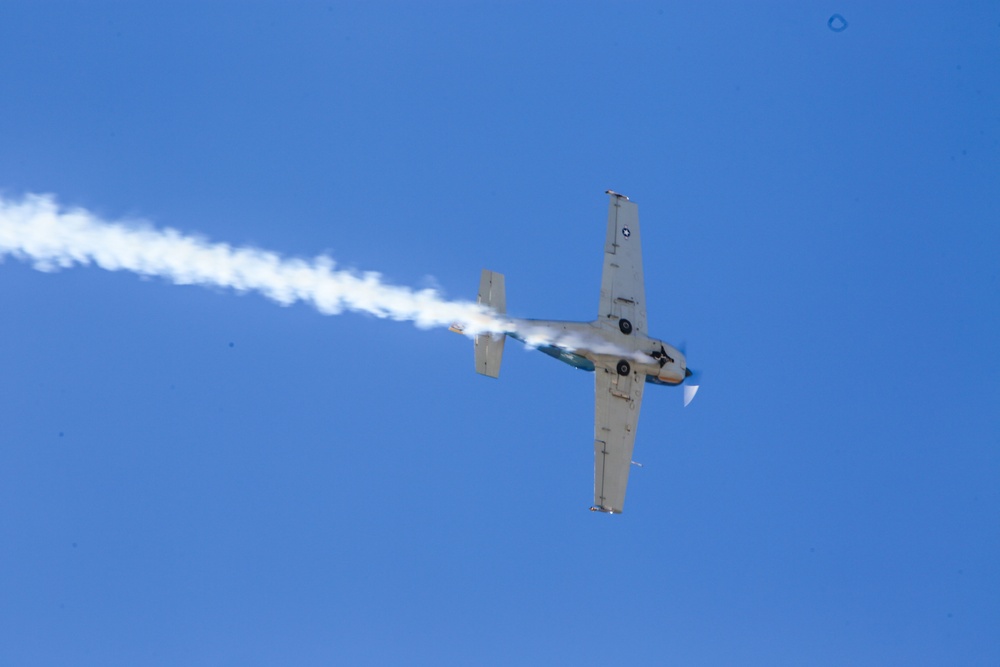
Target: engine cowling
[{"x": 673, "y": 365}]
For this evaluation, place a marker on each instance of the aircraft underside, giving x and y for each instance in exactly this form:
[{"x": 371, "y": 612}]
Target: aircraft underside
[{"x": 615, "y": 347}]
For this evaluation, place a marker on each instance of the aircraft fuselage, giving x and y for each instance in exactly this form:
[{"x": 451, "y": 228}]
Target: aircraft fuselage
[{"x": 585, "y": 345}]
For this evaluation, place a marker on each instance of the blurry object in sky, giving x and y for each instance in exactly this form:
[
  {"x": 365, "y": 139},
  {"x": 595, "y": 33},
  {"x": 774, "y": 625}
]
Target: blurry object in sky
[
  {"x": 837, "y": 23},
  {"x": 615, "y": 346}
]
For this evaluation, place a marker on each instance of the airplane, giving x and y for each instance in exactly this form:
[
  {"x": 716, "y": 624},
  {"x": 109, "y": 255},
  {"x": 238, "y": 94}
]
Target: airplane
[{"x": 615, "y": 347}]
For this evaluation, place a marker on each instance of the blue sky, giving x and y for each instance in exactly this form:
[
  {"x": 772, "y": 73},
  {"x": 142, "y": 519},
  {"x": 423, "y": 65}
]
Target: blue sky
[{"x": 191, "y": 476}]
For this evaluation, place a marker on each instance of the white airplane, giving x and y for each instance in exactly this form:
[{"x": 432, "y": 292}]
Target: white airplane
[{"x": 614, "y": 346}]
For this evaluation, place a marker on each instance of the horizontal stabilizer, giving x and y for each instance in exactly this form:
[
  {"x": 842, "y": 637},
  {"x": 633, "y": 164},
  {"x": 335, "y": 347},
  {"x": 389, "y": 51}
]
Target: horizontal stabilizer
[{"x": 489, "y": 346}]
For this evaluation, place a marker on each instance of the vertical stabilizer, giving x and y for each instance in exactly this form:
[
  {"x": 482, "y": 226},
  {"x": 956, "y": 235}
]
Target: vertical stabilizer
[{"x": 489, "y": 347}]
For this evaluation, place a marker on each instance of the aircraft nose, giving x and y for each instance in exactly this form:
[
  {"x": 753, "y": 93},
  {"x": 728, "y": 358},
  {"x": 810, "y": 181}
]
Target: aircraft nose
[{"x": 687, "y": 372}]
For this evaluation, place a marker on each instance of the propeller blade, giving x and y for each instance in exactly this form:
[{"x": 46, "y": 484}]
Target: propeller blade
[
  {"x": 691, "y": 385},
  {"x": 689, "y": 391}
]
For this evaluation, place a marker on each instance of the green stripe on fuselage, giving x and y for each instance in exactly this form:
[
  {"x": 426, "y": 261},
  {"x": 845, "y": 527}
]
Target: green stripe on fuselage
[{"x": 574, "y": 360}]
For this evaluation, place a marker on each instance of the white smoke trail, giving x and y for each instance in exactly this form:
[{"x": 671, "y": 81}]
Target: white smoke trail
[{"x": 38, "y": 230}]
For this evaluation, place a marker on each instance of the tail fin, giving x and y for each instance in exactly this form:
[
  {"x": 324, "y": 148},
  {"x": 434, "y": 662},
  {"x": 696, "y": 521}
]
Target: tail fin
[{"x": 489, "y": 347}]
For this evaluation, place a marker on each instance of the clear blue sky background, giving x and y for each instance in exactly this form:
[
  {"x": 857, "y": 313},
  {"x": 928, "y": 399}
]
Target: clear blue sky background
[{"x": 190, "y": 476}]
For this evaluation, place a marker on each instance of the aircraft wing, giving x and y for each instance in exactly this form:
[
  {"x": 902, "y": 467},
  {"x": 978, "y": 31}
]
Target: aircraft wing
[
  {"x": 616, "y": 414},
  {"x": 623, "y": 293}
]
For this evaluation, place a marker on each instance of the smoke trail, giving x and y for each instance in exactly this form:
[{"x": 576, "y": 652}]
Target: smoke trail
[{"x": 37, "y": 230}]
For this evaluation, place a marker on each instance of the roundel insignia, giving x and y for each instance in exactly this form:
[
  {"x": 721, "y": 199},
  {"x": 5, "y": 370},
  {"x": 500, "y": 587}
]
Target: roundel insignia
[{"x": 626, "y": 232}]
